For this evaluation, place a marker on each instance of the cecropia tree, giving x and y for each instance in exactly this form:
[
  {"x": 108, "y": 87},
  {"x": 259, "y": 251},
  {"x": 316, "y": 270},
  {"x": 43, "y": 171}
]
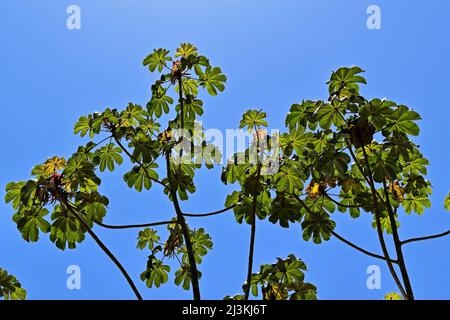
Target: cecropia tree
[{"x": 346, "y": 153}]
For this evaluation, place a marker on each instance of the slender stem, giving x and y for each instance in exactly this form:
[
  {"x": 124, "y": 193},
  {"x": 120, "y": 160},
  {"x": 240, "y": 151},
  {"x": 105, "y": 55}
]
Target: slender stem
[
  {"x": 186, "y": 233},
  {"x": 209, "y": 213},
  {"x": 251, "y": 250},
  {"x": 253, "y": 226},
  {"x": 105, "y": 249},
  {"x": 131, "y": 226},
  {"x": 434, "y": 236},
  {"x": 378, "y": 223},
  {"x": 341, "y": 238},
  {"x": 340, "y": 204},
  {"x": 398, "y": 245}
]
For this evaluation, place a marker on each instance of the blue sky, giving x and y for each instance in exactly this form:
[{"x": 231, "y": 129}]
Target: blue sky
[{"x": 274, "y": 53}]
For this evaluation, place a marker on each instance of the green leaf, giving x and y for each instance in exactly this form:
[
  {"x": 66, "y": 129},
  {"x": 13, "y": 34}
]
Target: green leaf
[
  {"x": 183, "y": 276},
  {"x": 317, "y": 226},
  {"x": 157, "y": 59},
  {"x": 158, "y": 104},
  {"x": 212, "y": 79},
  {"x": 331, "y": 114},
  {"x": 403, "y": 121},
  {"x": 252, "y": 119},
  {"x": 13, "y": 193},
  {"x": 156, "y": 273},
  {"x": 297, "y": 139},
  {"x": 10, "y": 287},
  {"x": 447, "y": 202},
  {"x": 147, "y": 238},
  {"x": 107, "y": 157},
  {"x": 185, "y": 50},
  {"x": 345, "y": 78},
  {"x": 201, "y": 243},
  {"x": 30, "y": 221},
  {"x": 138, "y": 178},
  {"x": 416, "y": 203},
  {"x": 287, "y": 179},
  {"x": 91, "y": 124},
  {"x": 285, "y": 210}
]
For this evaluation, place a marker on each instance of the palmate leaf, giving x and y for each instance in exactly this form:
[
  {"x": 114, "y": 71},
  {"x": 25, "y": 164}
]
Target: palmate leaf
[
  {"x": 317, "y": 226},
  {"x": 158, "y": 104},
  {"x": 393, "y": 296},
  {"x": 183, "y": 276},
  {"x": 447, "y": 202},
  {"x": 285, "y": 210},
  {"x": 243, "y": 211},
  {"x": 287, "y": 179},
  {"x": 137, "y": 177},
  {"x": 403, "y": 120},
  {"x": 30, "y": 221},
  {"x": 416, "y": 203},
  {"x": 331, "y": 114},
  {"x": 13, "y": 193},
  {"x": 91, "y": 124},
  {"x": 300, "y": 114},
  {"x": 82, "y": 174},
  {"x": 156, "y": 273},
  {"x": 212, "y": 79},
  {"x": 298, "y": 140},
  {"x": 252, "y": 119},
  {"x": 107, "y": 156},
  {"x": 157, "y": 59},
  {"x": 201, "y": 243},
  {"x": 132, "y": 115},
  {"x": 65, "y": 231},
  {"x": 185, "y": 50},
  {"x": 345, "y": 78},
  {"x": 10, "y": 287},
  {"x": 377, "y": 112},
  {"x": 282, "y": 280},
  {"x": 147, "y": 238}
]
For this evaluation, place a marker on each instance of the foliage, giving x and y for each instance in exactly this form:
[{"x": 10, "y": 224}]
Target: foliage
[
  {"x": 10, "y": 287},
  {"x": 345, "y": 153},
  {"x": 282, "y": 280}
]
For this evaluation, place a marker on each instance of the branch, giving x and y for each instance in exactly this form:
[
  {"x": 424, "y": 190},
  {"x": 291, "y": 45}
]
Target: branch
[
  {"x": 434, "y": 236},
  {"x": 340, "y": 204},
  {"x": 130, "y": 226},
  {"x": 105, "y": 249},
  {"x": 341, "y": 238},
  {"x": 209, "y": 213},
  {"x": 378, "y": 221}
]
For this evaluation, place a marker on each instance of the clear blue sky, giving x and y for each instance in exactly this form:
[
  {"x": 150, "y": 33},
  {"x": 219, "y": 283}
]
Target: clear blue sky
[{"x": 274, "y": 53}]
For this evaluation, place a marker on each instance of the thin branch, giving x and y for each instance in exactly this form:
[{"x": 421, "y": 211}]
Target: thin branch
[
  {"x": 209, "y": 213},
  {"x": 397, "y": 244},
  {"x": 434, "y": 236},
  {"x": 341, "y": 238},
  {"x": 253, "y": 229},
  {"x": 378, "y": 223},
  {"x": 340, "y": 204},
  {"x": 105, "y": 249},
  {"x": 131, "y": 226}
]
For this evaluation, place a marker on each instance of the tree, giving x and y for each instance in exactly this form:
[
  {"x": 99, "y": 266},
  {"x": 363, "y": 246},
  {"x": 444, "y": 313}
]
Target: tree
[
  {"x": 346, "y": 154},
  {"x": 297, "y": 178}
]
